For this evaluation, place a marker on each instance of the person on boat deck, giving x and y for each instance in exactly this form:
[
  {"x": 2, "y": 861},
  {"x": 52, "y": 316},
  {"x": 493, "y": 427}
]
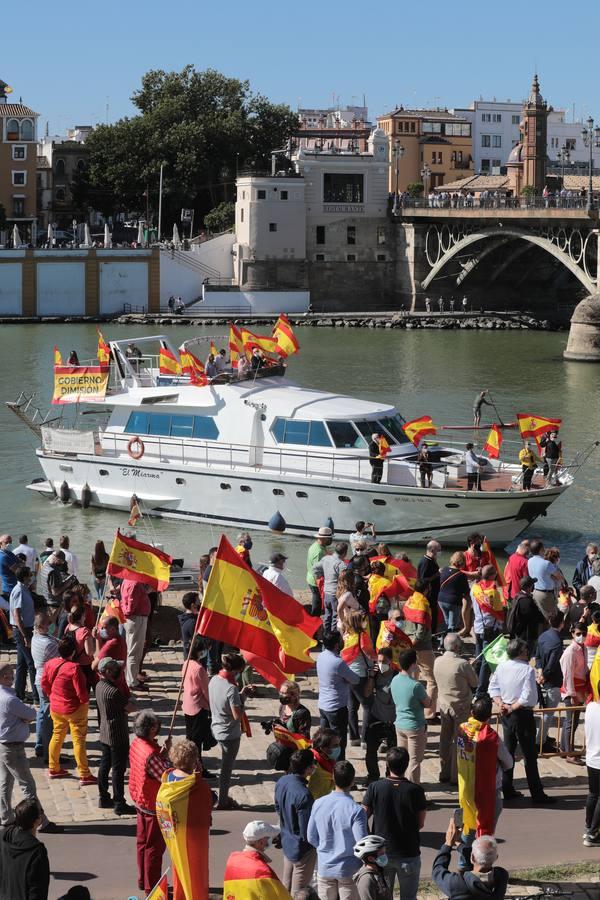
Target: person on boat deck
[
  {"x": 73, "y": 359},
  {"x": 243, "y": 368},
  {"x": 257, "y": 361},
  {"x": 211, "y": 369},
  {"x": 425, "y": 466},
  {"x": 529, "y": 460},
  {"x": 473, "y": 465},
  {"x": 477, "y": 404},
  {"x": 220, "y": 361},
  {"x": 375, "y": 459}
]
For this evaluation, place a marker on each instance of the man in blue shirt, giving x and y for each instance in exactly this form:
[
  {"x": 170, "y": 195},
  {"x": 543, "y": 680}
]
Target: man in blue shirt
[
  {"x": 547, "y": 578},
  {"x": 334, "y": 677},
  {"x": 22, "y": 616},
  {"x": 8, "y": 562},
  {"x": 293, "y": 803},
  {"x": 336, "y": 824}
]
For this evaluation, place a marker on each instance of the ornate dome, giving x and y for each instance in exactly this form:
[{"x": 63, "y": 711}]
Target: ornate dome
[{"x": 515, "y": 156}]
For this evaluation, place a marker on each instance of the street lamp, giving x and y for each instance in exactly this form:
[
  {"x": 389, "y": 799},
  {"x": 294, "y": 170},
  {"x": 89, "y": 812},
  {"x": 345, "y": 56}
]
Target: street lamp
[
  {"x": 399, "y": 152},
  {"x": 425, "y": 176},
  {"x": 591, "y": 139},
  {"x": 564, "y": 158}
]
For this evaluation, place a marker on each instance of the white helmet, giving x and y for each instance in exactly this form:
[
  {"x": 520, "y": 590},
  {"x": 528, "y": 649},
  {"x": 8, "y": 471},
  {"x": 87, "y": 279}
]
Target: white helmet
[{"x": 368, "y": 846}]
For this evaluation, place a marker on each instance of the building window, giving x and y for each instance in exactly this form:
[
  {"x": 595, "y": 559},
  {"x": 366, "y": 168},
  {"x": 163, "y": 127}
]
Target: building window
[
  {"x": 19, "y": 179},
  {"x": 60, "y": 195},
  {"x": 283, "y": 195},
  {"x": 516, "y": 120},
  {"x": 320, "y": 257},
  {"x": 18, "y": 206},
  {"x": 496, "y": 163},
  {"x": 243, "y": 195},
  {"x": 26, "y": 130},
  {"x": 351, "y": 257},
  {"x": 19, "y": 152},
  {"x": 570, "y": 143},
  {"x": 81, "y": 165},
  {"x": 381, "y": 234},
  {"x": 458, "y": 129},
  {"x": 381, "y": 257},
  {"x": 60, "y": 167},
  {"x": 432, "y": 127},
  {"x": 343, "y": 188},
  {"x": 272, "y": 226},
  {"x": 486, "y": 117},
  {"x": 320, "y": 234},
  {"x": 261, "y": 195},
  {"x": 242, "y": 214},
  {"x": 497, "y": 117},
  {"x": 12, "y": 130},
  {"x": 485, "y": 165},
  {"x": 496, "y": 140},
  {"x": 412, "y": 128},
  {"x": 351, "y": 234},
  {"x": 486, "y": 140}
]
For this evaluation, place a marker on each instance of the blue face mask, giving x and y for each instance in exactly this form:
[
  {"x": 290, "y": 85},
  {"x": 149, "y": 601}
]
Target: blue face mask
[
  {"x": 382, "y": 860},
  {"x": 335, "y": 753},
  {"x": 203, "y": 655}
]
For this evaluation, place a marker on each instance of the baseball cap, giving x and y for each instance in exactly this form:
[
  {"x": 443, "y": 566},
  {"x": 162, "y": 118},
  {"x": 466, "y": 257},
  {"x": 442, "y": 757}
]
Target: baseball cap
[
  {"x": 277, "y": 557},
  {"x": 258, "y": 829},
  {"x": 107, "y": 661}
]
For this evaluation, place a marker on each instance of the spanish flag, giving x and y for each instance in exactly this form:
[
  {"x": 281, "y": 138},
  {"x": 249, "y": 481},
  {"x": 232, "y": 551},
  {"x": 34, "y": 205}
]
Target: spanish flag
[
  {"x": 183, "y": 812},
  {"x": 167, "y": 363},
  {"x": 379, "y": 585},
  {"x": 391, "y": 636},
  {"x": 57, "y": 357},
  {"x": 136, "y": 561},
  {"x": 290, "y": 738},
  {"x": 494, "y": 442},
  {"x": 595, "y": 676},
  {"x": 536, "y": 426},
  {"x": 112, "y": 609},
  {"x": 249, "y": 877},
  {"x": 416, "y": 429},
  {"x": 393, "y": 566},
  {"x": 355, "y": 645},
  {"x": 213, "y": 349},
  {"x": 160, "y": 891},
  {"x": 263, "y": 342},
  {"x": 485, "y": 548},
  {"x": 103, "y": 352},
  {"x": 236, "y": 345},
  {"x": 477, "y": 750},
  {"x": 417, "y": 610},
  {"x": 287, "y": 343},
  {"x": 384, "y": 447},
  {"x": 243, "y": 609},
  {"x": 191, "y": 365},
  {"x": 489, "y": 599}
]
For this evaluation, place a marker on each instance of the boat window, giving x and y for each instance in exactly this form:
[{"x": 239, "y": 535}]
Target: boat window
[
  {"x": 182, "y": 426},
  {"x": 300, "y": 431},
  {"x": 344, "y": 435},
  {"x": 138, "y": 423},
  {"x": 160, "y": 424},
  {"x": 205, "y": 427},
  {"x": 393, "y": 425},
  {"x": 367, "y": 428},
  {"x": 378, "y": 502},
  {"x": 343, "y": 499},
  {"x": 278, "y": 492}
]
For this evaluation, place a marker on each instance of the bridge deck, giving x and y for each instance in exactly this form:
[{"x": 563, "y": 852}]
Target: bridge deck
[{"x": 495, "y": 213}]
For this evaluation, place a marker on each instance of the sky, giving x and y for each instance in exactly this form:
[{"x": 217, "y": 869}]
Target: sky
[{"x": 79, "y": 64}]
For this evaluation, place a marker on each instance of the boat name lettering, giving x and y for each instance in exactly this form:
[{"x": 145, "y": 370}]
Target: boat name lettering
[{"x": 138, "y": 473}]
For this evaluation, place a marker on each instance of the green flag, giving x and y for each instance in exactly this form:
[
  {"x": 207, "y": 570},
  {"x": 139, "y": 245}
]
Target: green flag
[{"x": 495, "y": 653}]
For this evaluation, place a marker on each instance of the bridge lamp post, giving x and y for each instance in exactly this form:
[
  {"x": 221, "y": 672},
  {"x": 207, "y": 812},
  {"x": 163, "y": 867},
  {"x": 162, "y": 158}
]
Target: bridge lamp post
[
  {"x": 564, "y": 158},
  {"x": 591, "y": 139},
  {"x": 399, "y": 152},
  {"x": 425, "y": 176}
]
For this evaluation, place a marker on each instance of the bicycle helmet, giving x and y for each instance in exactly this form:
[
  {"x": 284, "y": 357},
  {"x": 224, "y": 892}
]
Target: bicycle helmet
[{"x": 368, "y": 846}]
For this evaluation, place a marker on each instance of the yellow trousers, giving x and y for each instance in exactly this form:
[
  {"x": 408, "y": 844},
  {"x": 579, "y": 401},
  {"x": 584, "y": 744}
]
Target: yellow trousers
[{"x": 77, "y": 723}]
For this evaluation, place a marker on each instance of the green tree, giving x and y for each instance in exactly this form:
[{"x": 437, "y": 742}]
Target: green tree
[
  {"x": 414, "y": 189},
  {"x": 221, "y": 217}
]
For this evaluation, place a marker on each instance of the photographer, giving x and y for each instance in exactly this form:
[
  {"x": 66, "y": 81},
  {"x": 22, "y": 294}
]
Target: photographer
[{"x": 293, "y": 715}]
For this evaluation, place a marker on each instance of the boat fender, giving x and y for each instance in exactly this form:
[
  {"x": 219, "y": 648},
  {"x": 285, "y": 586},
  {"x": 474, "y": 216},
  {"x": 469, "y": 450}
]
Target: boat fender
[
  {"x": 277, "y": 523},
  {"x": 86, "y": 496},
  {"x": 64, "y": 492},
  {"x": 136, "y": 448},
  {"x": 329, "y": 523}
]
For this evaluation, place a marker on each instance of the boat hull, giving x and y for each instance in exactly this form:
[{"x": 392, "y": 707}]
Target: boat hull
[{"x": 249, "y": 499}]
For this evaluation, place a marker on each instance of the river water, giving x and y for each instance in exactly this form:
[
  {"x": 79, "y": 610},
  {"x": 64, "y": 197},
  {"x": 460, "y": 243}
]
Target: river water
[{"x": 421, "y": 372}]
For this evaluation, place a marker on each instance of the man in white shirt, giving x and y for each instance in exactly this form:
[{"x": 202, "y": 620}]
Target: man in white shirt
[
  {"x": 70, "y": 558},
  {"x": 592, "y": 759},
  {"x": 365, "y": 533},
  {"x": 274, "y": 573},
  {"x": 513, "y": 688},
  {"x": 30, "y": 553},
  {"x": 473, "y": 464}
]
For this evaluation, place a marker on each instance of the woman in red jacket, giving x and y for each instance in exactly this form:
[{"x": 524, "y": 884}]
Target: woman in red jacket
[{"x": 64, "y": 683}]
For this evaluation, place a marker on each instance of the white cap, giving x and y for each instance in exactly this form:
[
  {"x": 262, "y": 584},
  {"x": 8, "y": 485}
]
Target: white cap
[{"x": 255, "y": 831}]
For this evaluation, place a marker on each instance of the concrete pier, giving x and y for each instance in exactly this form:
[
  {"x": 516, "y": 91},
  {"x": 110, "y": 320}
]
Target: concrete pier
[{"x": 584, "y": 336}]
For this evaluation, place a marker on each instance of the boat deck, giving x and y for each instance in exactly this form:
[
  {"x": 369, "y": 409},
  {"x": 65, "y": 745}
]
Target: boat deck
[{"x": 496, "y": 481}]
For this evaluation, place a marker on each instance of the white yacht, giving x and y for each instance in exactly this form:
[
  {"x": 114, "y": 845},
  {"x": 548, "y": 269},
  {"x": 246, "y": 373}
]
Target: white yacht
[{"x": 265, "y": 453}]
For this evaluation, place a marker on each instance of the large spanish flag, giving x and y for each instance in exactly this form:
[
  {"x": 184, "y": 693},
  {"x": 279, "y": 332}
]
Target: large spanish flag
[
  {"x": 103, "y": 352},
  {"x": 393, "y": 566},
  {"x": 493, "y": 443},
  {"x": 355, "y": 645},
  {"x": 243, "y": 609},
  {"x": 263, "y": 342},
  {"x": 236, "y": 345},
  {"x": 167, "y": 363},
  {"x": 183, "y": 811},
  {"x": 417, "y": 610},
  {"x": 477, "y": 750},
  {"x": 249, "y": 877},
  {"x": 535, "y": 426},
  {"x": 391, "y": 636},
  {"x": 191, "y": 365},
  {"x": 136, "y": 561},
  {"x": 417, "y": 429},
  {"x": 287, "y": 343}
]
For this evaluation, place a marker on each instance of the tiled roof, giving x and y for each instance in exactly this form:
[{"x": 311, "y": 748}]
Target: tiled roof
[
  {"x": 15, "y": 109},
  {"x": 442, "y": 114},
  {"x": 579, "y": 182},
  {"x": 475, "y": 183}
]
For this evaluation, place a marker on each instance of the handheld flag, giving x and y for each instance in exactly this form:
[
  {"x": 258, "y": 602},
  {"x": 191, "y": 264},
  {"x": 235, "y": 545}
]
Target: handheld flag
[
  {"x": 167, "y": 364},
  {"x": 183, "y": 812},
  {"x": 532, "y": 426},
  {"x": 134, "y": 514},
  {"x": 160, "y": 891},
  {"x": 57, "y": 357},
  {"x": 485, "y": 547},
  {"x": 417, "y": 429},
  {"x": 287, "y": 343},
  {"x": 103, "y": 352},
  {"x": 384, "y": 447},
  {"x": 267, "y": 669},
  {"x": 477, "y": 757},
  {"x": 213, "y": 349},
  {"x": 236, "y": 345},
  {"x": 136, "y": 561},
  {"x": 493, "y": 443},
  {"x": 595, "y": 676},
  {"x": 495, "y": 653},
  {"x": 243, "y": 609}
]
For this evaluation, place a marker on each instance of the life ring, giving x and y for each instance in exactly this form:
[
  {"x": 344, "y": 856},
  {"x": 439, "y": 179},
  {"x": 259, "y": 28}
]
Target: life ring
[{"x": 136, "y": 442}]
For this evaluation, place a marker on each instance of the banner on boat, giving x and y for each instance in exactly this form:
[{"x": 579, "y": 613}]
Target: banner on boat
[
  {"x": 68, "y": 440},
  {"x": 76, "y": 384}
]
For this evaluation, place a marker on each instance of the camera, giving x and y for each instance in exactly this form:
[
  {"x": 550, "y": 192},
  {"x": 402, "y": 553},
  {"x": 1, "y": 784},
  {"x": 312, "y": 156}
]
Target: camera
[{"x": 267, "y": 727}]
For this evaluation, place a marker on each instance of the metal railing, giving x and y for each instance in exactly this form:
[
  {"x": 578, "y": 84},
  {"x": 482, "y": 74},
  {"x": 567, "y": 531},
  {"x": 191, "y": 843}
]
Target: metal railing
[
  {"x": 563, "y": 714},
  {"x": 491, "y": 201}
]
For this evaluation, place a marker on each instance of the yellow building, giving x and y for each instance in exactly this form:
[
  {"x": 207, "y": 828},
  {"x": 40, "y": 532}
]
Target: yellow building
[
  {"x": 431, "y": 146},
  {"x": 18, "y": 161}
]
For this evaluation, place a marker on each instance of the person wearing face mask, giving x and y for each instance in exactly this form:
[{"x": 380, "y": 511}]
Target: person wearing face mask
[
  {"x": 293, "y": 804},
  {"x": 110, "y": 642},
  {"x": 196, "y": 705},
  {"x": 411, "y": 701},
  {"x": 370, "y": 880},
  {"x": 428, "y": 571},
  {"x": 293, "y": 715},
  {"x": 335, "y": 679},
  {"x": 274, "y": 573},
  {"x": 326, "y": 751},
  {"x": 22, "y": 615},
  {"x": 244, "y": 546},
  {"x": 43, "y": 647},
  {"x": 247, "y": 872},
  {"x": 485, "y": 882},
  {"x": 573, "y": 692},
  {"x": 114, "y": 738},
  {"x": 8, "y": 563},
  {"x": 393, "y": 637},
  {"x": 381, "y": 712},
  {"x": 583, "y": 569}
]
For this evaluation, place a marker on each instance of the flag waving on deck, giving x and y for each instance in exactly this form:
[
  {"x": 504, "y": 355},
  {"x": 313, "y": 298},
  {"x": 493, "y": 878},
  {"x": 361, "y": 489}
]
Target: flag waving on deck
[
  {"x": 136, "y": 561},
  {"x": 417, "y": 429},
  {"x": 236, "y": 345},
  {"x": 57, "y": 357},
  {"x": 532, "y": 426},
  {"x": 283, "y": 333},
  {"x": 167, "y": 363},
  {"x": 191, "y": 365},
  {"x": 103, "y": 352},
  {"x": 493, "y": 443},
  {"x": 213, "y": 349},
  {"x": 263, "y": 342},
  {"x": 243, "y": 609}
]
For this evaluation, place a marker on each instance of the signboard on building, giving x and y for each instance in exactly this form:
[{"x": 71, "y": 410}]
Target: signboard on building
[{"x": 346, "y": 208}]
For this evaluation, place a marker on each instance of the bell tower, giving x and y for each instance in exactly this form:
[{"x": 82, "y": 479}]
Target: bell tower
[{"x": 535, "y": 139}]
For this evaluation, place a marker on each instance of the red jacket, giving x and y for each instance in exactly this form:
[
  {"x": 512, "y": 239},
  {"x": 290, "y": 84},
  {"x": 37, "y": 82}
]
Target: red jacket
[
  {"x": 134, "y": 599},
  {"x": 142, "y": 787},
  {"x": 516, "y": 568},
  {"x": 64, "y": 683}
]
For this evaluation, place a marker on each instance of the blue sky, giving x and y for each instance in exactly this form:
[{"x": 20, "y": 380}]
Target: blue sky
[{"x": 78, "y": 58}]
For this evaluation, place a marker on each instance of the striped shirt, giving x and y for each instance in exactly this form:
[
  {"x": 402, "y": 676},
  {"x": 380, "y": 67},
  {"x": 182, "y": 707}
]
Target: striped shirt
[{"x": 111, "y": 712}]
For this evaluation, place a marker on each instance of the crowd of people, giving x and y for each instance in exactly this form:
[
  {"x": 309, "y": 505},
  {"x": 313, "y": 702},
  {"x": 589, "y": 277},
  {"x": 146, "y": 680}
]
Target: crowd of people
[{"x": 402, "y": 646}]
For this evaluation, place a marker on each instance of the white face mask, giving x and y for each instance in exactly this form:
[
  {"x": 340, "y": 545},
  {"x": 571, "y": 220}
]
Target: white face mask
[
  {"x": 579, "y": 638},
  {"x": 384, "y": 667}
]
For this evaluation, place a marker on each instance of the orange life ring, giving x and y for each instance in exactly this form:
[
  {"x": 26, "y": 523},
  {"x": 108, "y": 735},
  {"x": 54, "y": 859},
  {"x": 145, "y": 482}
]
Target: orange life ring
[{"x": 136, "y": 454}]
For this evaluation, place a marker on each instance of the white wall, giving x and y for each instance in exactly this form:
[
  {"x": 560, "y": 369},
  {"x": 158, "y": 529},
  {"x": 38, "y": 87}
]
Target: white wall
[
  {"x": 11, "y": 300},
  {"x": 178, "y": 280},
  {"x": 216, "y": 253},
  {"x": 121, "y": 283},
  {"x": 267, "y": 302},
  {"x": 60, "y": 288}
]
